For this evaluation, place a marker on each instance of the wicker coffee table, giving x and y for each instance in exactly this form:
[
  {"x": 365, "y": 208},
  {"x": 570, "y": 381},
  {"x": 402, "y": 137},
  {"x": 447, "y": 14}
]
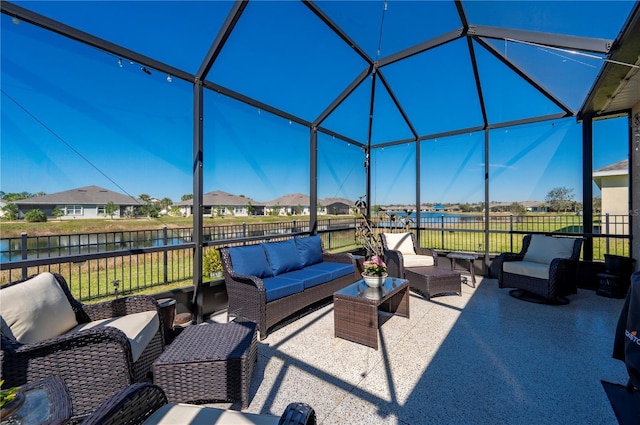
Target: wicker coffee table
[
  {"x": 431, "y": 280},
  {"x": 209, "y": 362},
  {"x": 355, "y": 309}
]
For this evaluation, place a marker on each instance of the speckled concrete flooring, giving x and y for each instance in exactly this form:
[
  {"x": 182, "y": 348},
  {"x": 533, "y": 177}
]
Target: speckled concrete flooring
[{"x": 480, "y": 358}]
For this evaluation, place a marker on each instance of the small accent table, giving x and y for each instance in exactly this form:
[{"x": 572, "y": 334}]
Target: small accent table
[
  {"x": 47, "y": 403},
  {"x": 355, "y": 309},
  {"x": 453, "y": 256},
  {"x": 168, "y": 312},
  {"x": 209, "y": 362}
]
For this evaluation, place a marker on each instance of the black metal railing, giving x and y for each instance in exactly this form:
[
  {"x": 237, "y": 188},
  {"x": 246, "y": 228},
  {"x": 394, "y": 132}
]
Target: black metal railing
[{"x": 97, "y": 265}]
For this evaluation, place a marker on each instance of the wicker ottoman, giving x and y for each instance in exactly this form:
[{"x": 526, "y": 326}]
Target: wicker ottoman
[
  {"x": 210, "y": 362},
  {"x": 430, "y": 281}
]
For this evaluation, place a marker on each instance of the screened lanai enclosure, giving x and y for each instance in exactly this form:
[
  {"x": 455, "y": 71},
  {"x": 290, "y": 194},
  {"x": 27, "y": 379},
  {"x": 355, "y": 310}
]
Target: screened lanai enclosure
[{"x": 419, "y": 106}]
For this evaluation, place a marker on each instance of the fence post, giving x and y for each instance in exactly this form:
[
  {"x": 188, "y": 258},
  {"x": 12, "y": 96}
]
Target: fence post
[
  {"x": 329, "y": 232},
  {"x": 244, "y": 232},
  {"x": 295, "y": 227},
  {"x": 442, "y": 231},
  {"x": 510, "y": 232},
  {"x": 23, "y": 249},
  {"x": 165, "y": 253},
  {"x": 606, "y": 227}
]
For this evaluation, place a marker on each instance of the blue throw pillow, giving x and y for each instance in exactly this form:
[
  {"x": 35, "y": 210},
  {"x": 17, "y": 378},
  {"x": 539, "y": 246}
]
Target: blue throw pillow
[
  {"x": 282, "y": 256},
  {"x": 309, "y": 249},
  {"x": 250, "y": 260}
]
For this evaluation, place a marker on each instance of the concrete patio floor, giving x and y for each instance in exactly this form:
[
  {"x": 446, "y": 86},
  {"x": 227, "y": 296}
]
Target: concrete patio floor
[{"x": 483, "y": 357}]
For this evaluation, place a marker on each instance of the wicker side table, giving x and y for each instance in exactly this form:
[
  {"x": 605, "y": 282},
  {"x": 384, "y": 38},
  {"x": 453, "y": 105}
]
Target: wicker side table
[
  {"x": 47, "y": 402},
  {"x": 431, "y": 280},
  {"x": 209, "y": 362}
]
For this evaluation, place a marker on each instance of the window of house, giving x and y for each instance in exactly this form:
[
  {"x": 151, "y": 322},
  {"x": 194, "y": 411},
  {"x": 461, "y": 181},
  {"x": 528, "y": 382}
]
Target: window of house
[
  {"x": 73, "y": 210},
  {"x": 100, "y": 210}
]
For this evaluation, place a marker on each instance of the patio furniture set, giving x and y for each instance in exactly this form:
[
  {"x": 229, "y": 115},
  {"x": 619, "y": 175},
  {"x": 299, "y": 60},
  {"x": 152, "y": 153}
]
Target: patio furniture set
[{"x": 98, "y": 352}]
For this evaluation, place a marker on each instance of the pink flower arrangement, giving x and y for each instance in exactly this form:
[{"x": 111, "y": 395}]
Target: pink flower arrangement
[{"x": 375, "y": 266}]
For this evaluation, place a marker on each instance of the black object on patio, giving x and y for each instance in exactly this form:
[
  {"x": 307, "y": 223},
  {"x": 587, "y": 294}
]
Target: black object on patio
[
  {"x": 626, "y": 344},
  {"x": 614, "y": 282}
]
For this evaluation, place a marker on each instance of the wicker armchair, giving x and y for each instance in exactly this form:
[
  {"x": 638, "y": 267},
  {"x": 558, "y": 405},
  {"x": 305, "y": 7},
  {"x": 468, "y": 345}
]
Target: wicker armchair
[
  {"x": 544, "y": 271},
  {"x": 94, "y": 359},
  {"x": 143, "y": 402},
  {"x": 401, "y": 251}
]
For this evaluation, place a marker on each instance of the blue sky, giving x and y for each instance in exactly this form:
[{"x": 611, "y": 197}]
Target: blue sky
[{"x": 72, "y": 116}]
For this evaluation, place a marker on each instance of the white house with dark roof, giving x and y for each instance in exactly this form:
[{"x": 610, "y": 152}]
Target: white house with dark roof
[
  {"x": 219, "y": 203},
  {"x": 613, "y": 181},
  {"x": 292, "y": 204},
  {"x": 80, "y": 203}
]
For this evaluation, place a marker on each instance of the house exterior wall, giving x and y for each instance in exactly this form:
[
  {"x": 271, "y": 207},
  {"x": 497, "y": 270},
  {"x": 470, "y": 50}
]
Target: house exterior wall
[{"x": 615, "y": 203}]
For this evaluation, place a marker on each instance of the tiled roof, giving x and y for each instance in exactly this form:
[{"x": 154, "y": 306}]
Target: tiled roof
[
  {"x": 220, "y": 198},
  {"x": 618, "y": 166},
  {"x": 89, "y": 195},
  {"x": 292, "y": 199}
]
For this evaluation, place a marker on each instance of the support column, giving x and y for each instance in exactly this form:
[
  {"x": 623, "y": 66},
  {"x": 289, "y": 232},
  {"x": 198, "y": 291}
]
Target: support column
[
  {"x": 197, "y": 301},
  {"x": 587, "y": 187},
  {"x": 485, "y": 263},
  {"x": 313, "y": 180}
]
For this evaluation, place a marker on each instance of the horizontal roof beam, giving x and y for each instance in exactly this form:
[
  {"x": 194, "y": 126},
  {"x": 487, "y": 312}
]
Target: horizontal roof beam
[
  {"x": 255, "y": 103},
  {"x": 86, "y": 38},
  {"x": 585, "y": 44},
  {"x": 421, "y": 47}
]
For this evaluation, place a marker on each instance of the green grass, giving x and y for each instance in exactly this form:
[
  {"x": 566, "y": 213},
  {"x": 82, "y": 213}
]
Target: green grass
[{"x": 144, "y": 273}]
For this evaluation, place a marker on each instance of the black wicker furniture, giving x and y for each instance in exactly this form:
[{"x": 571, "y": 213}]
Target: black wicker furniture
[
  {"x": 355, "y": 309},
  {"x": 45, "y": 331},
  {"x": 419, "y": 265},
  {"x": 269, "y": 282},
  {"x": 46, "y": 402},
  {"x": 146, "y": 403},
  {"x": 209, "y": 362},
  {"x": 544, "y": 271},
  {"x": 401, "y": 251},
  {"x": 430, "y": 281}
]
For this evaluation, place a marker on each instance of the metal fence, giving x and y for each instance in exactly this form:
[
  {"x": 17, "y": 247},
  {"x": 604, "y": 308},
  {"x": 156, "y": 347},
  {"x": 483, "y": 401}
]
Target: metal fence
[
  {"x": 96, "y": 265},
  {"x": 147, "y": 259}
]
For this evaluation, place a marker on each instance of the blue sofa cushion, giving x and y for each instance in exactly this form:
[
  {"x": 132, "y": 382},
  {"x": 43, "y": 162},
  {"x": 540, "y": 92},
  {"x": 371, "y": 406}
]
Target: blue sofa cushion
[
  {"x": 309, "y": 278},
  {"x": 309, "y": 249},
  {"x": 336, "y": 269},
  {"x": 280, "y": 287},
  {"x": 282, "y": 256},
  {"x": 250, "y": 260}
]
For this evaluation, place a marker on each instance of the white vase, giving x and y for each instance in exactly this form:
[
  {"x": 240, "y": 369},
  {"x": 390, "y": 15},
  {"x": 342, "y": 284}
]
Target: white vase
[{"x": 374, "y": 281}]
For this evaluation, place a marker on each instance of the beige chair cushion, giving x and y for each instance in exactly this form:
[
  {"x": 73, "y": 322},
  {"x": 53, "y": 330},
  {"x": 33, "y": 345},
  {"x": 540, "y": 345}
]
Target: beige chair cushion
[
  {"x": 543, "y": 249},
  {"x": 139, "y": 328},
  {"x": 400, "y": 242},
  {"x": 525, "y": 268},
  {"x": 35, "y": 310},
  {"x": 188, "y": 414},
  {"x": 417, "y": 260}
]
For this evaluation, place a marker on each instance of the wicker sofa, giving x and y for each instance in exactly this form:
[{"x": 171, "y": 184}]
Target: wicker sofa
[
  {"x": 96, "y": 349},
  {"x": 145, "y": 403},
  {"x": 544, "y": 271},
  {"x": 269, "y": 282}
]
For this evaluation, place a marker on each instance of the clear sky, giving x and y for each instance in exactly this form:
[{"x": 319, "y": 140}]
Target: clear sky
[{"x": 75, "y": 116}]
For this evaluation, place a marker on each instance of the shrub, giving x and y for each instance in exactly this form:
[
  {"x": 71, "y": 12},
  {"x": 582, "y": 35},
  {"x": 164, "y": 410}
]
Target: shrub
[{"x": 34, "y": 216}]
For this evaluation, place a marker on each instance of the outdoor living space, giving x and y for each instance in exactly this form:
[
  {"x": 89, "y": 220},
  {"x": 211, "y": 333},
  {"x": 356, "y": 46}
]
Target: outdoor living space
[{"x": 484, "y": 357}]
